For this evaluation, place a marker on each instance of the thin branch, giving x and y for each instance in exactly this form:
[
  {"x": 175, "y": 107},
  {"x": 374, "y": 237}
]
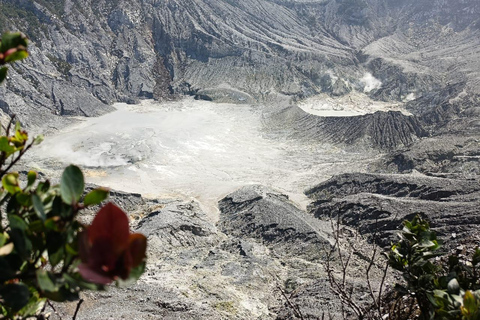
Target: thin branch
[
  {"x": 78, "y": 308},
  {"x": 293, "y": 306},
  {"x": 9, "y": 126},
  {"x": 382, "y": 284},
  {"x": 3, "y": 155},
  {"x": 369, "y": 282},
  {"x": 14, "y": 161},
  {"x": 54, "y": 310},
  {"x": 343, "y": 293}
]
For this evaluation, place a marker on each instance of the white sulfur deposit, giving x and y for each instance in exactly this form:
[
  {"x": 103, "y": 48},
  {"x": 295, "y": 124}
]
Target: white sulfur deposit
[
  {"x": 191, "y": 150},
  {"x": 370, "y": 82}
]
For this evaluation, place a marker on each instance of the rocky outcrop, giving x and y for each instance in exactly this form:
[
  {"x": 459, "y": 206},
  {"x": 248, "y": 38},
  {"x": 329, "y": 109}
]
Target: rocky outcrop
[
  {"x": 449, "y": 156},
  {"x": 380, "y": 130},
  {"x": 376, "y": 205},
  {"x": 267, "y": 216}
]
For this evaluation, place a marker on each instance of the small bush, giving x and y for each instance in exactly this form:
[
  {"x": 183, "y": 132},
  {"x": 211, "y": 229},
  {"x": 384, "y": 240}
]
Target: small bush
[
  {"x": 444, "y": 286},
  {"x": 436, "y": 284}
]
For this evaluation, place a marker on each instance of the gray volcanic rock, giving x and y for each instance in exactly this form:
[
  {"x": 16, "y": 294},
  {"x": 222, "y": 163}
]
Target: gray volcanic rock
[
  {"x": 452, "y": 149},
  {"x": 380, "y": 130},
  {"x": 450, "y": 156},
  {"x": 177, "y": 225},
  {"x": 86, "y": 54},
  {"x": 266, "y": 215},
  {"x": 377, "y": 204},
  {"x": 195, "y": 271},
  {"x": 425, "y": 54},
  {"x": 258, "y": 214},
  {"x": 224, "y": 95}
]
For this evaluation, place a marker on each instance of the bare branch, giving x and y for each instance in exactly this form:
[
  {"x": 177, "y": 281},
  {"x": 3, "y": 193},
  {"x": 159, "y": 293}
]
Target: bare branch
[
  {"x": 78, "y": 308},
  {"x": 54, "y": 310}
]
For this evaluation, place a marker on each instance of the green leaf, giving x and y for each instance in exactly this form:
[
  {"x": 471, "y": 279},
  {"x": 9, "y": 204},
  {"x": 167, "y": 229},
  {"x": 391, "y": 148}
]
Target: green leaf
[
  {"x": 3, "y": 74},
  {"x": 71, "y": 250},
  {"x": 72, "y": 184},
  {"x": 34, "y": 306},
  {"x": 17, "y": 223},
  {"x": 22, "y": 243},
  {"x": 36, "y": 226},
  {"x": 8, "y": 271},
  {"x": 23, "y": 199},
  {"x": 77, "y": 281},
  {"x": 10, "y": 183},
  {"x": 20, "y": 135},
  {"x": 17, "y": 55},
  {"x": 31, "y": 178},
  {"x": 135, "y": 274},
  {"x": 470, "y": 304},
  {"x": 15, "y": 296},
  {"x": 44, "y": 281},
  {"x": 55, "y": 243},
  {"x": 43, "y": 187},
  {"x": 5, "y": 146},
  {"x": 432, "y": 300},
  {"x": 38, "y": 139},
  {"x": 38, "y": 207},
  {"x": 66, "y": 212},
  {"x": 51, "y": 224},
  {"x": 96, "y": 196},
  {"x": 12, "y": 40},
  {"x": 61, "y": 295},
  {"x": 476, "y": 257},
  {"x": 3, "y": 238}
]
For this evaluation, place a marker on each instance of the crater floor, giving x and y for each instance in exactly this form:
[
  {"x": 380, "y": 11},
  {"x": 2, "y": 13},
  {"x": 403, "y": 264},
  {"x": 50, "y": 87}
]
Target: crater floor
[{"x": 192, "y": 149}]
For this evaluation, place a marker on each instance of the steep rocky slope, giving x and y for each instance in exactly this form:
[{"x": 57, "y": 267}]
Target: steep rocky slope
[
  {"x": 377, "y": 204},
  {"x": 90, "y": 53}
]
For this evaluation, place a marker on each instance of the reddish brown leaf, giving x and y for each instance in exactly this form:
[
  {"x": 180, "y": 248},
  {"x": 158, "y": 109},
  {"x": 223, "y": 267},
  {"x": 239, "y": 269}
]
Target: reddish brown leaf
[
  {"x": 107, "y": 249},
  {"x": 137, "y": 248},
  {"x": 102, "y": 256},
  {"x": 83, "y": 245},
  {"x": 93, "y": 276},
  {"x": 110, "y": 223}
]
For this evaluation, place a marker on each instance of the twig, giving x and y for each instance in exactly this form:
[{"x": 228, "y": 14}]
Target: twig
[
  {"x": 343, "y": 293},
  {"x": 7, "y": 131},
  {"x": 3, "y": 156},
  {"x": 78, "y": 308},
  {"x": 14, "y": 161},
  {"x": 382, "y": 283},
  {"x": 54, "y": 310},
  {"x": 369, "y": 282},
  {"x": 294, "y": 307}
]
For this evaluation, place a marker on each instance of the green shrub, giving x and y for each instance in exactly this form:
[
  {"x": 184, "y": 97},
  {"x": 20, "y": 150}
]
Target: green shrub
[{"x": 443, "y": 285}]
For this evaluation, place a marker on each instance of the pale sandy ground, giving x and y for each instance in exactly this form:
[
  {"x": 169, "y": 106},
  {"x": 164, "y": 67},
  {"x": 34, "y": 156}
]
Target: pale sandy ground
[
  {"x": 352, "y": 104},
  {"x": 191, "y": 150}
]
